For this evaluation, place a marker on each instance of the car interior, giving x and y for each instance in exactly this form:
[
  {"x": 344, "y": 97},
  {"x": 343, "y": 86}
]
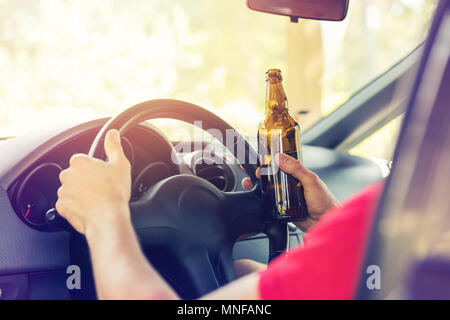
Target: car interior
[{"x": 190, "y": 215}]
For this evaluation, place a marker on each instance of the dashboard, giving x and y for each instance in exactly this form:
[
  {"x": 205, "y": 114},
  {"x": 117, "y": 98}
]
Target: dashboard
[
  {"x": 34, "y": 257},
  {"x": 35, "y": 191}
]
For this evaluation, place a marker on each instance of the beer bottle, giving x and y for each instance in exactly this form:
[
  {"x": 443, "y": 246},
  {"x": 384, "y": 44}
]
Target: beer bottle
[{"x": 279, "y": 133}]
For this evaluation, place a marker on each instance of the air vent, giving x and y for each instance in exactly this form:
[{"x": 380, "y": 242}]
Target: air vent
[{"x": 219, "y": 174}]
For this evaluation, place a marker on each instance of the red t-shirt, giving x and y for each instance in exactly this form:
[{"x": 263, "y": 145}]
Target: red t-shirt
[{"x": 328, "y": 265}]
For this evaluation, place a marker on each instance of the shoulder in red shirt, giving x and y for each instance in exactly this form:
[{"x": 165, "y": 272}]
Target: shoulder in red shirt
[{"x": 327, "y": 266}]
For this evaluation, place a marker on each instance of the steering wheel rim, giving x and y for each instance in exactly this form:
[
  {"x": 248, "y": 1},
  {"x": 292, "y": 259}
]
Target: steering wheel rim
[
  {"x": 177, "y": 110},
  {"x": 186, "y": 215}
]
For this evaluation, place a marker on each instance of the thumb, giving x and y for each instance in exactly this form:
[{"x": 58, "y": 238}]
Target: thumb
[
  {"x": 294, "y": 167},
  {"x": 113, "y": 146}
]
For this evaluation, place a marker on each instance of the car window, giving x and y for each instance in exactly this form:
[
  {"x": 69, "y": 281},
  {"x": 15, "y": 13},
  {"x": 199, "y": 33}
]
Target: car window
[
  {"x": 67, "y": 59},
  {"x": 376, "y": 35},
  {"x": 380, "y": 145}
]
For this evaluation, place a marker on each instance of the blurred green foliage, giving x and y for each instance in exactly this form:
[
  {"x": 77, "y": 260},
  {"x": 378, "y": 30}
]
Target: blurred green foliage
[{"x": 66, "y": 59}]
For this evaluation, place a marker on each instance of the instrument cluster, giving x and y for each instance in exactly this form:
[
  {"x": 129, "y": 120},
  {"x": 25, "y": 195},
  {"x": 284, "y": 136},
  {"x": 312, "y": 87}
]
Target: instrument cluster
[
  {"x": 35, "y": 192},
  {"x": 38, "y": 193}
]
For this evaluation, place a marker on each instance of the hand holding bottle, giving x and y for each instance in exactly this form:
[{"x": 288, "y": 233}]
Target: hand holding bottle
[{"x": 319, "y": 198}]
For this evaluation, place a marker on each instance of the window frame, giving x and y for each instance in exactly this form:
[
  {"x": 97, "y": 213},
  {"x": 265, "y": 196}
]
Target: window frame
[{"x": 369, "y": 109}]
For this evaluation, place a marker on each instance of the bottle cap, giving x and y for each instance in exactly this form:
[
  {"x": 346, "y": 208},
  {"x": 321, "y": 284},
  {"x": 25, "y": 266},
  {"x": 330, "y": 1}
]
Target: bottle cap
[{"x": 274, "y": 73}]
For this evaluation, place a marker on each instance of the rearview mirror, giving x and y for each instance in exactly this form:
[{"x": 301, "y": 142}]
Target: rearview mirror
[{"x": 333, "y": 10}]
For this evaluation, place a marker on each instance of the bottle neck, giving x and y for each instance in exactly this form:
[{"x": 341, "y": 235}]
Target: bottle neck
[{"x": 276, "y": 100}]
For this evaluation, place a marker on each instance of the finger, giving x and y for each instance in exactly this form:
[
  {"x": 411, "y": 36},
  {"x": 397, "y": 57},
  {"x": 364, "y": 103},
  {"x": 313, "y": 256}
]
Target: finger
[
  {"x": 61, "y": 207},
  {"x": 78, "y": 160},
  {"x": 247, "y": 183},
  {"x": 258, "y": 173},
  {"x": 113, "y": 146},
  {"x": 294, "y": 167},
  {"x": 63, "y": 176}
]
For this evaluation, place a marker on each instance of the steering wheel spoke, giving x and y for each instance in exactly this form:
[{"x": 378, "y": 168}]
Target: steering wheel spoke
[{"x": 244, "y": 212}]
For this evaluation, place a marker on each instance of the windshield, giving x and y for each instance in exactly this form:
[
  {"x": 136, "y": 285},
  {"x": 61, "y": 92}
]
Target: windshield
[{"x": 66, "y": 59}]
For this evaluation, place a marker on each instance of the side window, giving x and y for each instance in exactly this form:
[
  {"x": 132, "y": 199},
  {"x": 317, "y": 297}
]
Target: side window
[{"x": 380, "y": 145}]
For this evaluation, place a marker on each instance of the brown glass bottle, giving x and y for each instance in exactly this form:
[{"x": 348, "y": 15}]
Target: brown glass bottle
[{"x": 279, "y": 133}]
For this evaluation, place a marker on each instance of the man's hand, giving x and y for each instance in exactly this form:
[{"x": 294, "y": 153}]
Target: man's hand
[
  {"x": 96, "y": 192},
  {"x": 318, "y": 198},
  {"x": 94, "y": 198}
]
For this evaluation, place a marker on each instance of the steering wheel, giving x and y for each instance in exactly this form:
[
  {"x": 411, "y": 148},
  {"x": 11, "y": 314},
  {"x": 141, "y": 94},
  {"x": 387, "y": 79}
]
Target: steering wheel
[{"x": 187, "y": 217}]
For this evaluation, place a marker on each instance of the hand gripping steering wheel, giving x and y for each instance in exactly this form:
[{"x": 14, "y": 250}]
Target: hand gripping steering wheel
[
  {"x": 188, "y": 218},
  {"x": 185, "y": 225}
]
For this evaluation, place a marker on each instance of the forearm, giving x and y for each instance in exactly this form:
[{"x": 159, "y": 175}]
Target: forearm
[
  {"x": 245, "y": 288},
  {"x": 120, "y": 268}
]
